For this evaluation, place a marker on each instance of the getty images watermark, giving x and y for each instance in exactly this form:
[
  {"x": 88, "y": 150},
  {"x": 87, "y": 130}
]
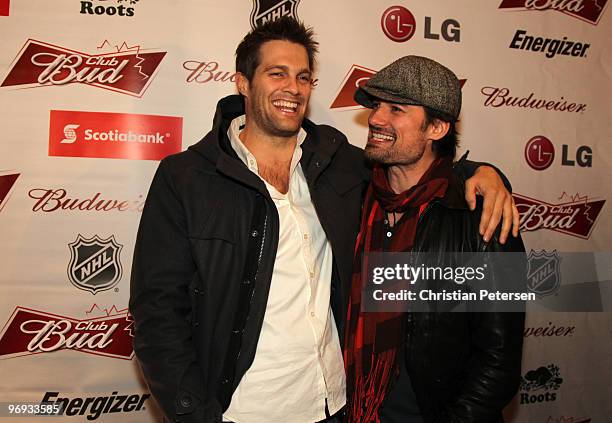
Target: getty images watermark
[{"x": 487, "y": 282}]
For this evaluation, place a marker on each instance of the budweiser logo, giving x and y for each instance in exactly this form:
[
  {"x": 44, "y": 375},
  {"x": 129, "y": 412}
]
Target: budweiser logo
[
  {"x": 587, "y": 10},
  {"x": 57, "y": 199},
  {"x": 34, "y": 332},
  {"x": 502, "y": 97},
  {"x": 575, "y": 217},
  {"x": 7, "y": 181},
  {"x": 355, "y": 78},
  {"x": 114, "y": 135},
  {"x": 128, "y": 70},
  {"x": 202, "y": 72}
]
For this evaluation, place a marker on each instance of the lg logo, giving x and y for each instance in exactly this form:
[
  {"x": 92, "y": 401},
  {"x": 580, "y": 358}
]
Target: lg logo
[
  {"x": 540, "y": 154},
  {"x": 399, "y": 25}
]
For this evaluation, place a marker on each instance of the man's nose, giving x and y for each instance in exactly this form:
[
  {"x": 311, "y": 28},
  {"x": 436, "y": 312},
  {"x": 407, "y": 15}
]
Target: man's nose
[
  {"x": 291, "y": 86},
  {"x": 378, "y": 117}
]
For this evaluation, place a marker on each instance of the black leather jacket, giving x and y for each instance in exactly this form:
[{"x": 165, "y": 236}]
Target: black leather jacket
[{"x": 464, "y": 367}]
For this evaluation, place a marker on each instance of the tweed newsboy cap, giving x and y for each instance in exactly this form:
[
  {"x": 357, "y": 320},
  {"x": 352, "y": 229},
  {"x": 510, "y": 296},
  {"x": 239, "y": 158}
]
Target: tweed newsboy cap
[{"x": 414, "y": 80}]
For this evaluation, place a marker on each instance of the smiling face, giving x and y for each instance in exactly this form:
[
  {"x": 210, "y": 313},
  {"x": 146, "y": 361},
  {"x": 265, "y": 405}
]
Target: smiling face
[
  {"x": 277, "y": 95},
  {"x": 397, "y": 134}
]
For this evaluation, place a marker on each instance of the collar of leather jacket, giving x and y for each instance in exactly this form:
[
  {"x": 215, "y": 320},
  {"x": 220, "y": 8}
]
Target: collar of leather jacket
[{"x": 216, "y": 143}]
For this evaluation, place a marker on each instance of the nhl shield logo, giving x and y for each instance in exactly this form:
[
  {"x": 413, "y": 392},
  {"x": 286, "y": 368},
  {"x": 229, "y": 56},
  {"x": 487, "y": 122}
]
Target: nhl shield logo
[
  {"x": 543, "y": 272},
  {"x": 269, "y": 10},
  {"x": 94, "y": 263}
]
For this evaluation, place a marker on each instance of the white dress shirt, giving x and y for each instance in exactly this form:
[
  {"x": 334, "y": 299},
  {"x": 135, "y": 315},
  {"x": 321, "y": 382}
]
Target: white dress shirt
[{"x": 298, "y": 362}]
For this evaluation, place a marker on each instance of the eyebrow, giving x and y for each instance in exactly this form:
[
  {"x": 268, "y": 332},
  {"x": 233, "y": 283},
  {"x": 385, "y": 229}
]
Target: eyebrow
[{"x": 286, "y": 69}]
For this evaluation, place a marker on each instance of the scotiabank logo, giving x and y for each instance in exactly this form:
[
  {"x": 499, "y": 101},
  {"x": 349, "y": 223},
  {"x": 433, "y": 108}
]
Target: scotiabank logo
[
  {"x": 574, "y": 215},
  {"x": 587, "y": 10},
  {"x": 355, "y": 78},
  {"x": 126, "y": 69},
  {"x": 114, "y": 135},
  {"x": 7, "y": 181},
  {"x": 33, "y": 332}
]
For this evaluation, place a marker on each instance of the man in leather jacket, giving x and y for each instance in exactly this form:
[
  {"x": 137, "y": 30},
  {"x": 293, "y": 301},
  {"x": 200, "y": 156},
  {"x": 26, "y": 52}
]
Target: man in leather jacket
[
  {"x": 423, "y": 367},
  {"x": 243, "y": 259}
]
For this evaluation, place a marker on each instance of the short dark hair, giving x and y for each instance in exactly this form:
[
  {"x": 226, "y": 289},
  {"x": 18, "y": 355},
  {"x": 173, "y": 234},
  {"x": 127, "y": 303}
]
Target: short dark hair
[
  {"x": 447, "y": 145},
  {"x": 285, "y": 28}
]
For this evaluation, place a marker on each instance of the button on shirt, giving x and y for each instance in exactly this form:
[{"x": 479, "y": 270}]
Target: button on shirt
[{"x": 298, "y": 362}]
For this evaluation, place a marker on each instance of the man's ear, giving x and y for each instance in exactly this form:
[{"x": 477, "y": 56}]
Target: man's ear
[
  {"x": 242, "y": 84},
  {"x": 437, "y": 129}
]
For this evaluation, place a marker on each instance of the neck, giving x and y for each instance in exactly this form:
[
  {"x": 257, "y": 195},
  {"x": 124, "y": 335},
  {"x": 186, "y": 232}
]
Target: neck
[
  {"x": 402, "y": 177},
  {"x": 267, "y": 147}
]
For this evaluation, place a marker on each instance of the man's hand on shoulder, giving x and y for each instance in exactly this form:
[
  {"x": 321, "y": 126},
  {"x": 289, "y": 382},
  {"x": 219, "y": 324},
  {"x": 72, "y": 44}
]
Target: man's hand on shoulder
[{"x": 498, "y": 203}]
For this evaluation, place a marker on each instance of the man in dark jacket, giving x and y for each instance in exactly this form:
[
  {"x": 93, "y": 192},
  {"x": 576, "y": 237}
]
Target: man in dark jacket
[
  {"x": 243, "y": 259},
  {"x": 411, "y": 367}
]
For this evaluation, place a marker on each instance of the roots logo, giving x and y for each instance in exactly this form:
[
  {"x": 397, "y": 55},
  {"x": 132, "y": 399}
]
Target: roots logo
[
  {"x": 94, "y": 263},
  {"x": 127, "y": 69},
  {"x": 113, "y": 135},
  {"x": 543, "y": 272},
  {"x": 34, "y": 332},
  {"x": 398, "y": 23},
  {"x": 269, "y": 10},
  {"x": 99, "y": 8},
  {"x": 543, "y": 379},
  {"x": 356, "y": 77},
  {"x": 586, "y": 10},
  {"x": 7, "y": 181},
  {"x": 576, "y": 216}
]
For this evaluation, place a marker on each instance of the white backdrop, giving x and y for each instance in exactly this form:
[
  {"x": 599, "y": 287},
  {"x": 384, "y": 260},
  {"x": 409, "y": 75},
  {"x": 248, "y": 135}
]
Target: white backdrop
[{"x": 76, "y": 159}]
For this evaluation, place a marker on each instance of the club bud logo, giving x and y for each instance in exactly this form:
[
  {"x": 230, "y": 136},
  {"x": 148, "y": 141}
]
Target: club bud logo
[
  {"x": 127, "y": 70},
  {"x": 114, "y": 135},
  {"x": 94, "y": 263},
  {"x": 356, "y": 77},
  {"x": 586, "y": 10},
  {"x": 269, "y": 10},
  {"x": 7, "y": 181},
  {"x": 576, "y": 216},
  {"x": 34, "y": 332}
]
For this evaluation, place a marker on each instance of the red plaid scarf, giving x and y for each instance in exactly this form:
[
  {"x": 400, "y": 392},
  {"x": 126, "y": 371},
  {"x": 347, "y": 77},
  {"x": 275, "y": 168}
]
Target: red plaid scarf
[{"x": 372, "y": 339}]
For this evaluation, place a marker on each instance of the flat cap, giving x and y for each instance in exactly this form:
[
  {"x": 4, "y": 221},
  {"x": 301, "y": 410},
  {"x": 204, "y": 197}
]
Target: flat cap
[{"x": 414, "y": 80}]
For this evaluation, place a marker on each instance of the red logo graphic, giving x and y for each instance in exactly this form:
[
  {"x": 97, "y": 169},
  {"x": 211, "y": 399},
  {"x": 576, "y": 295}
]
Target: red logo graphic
[
  {"x": 398, "y": 23},
  {"x": 34, "y": 332},
  {"x": 575, "y": 217},
  {"x": 114, "y": 135},
  {"x": 4, "y": 7},
  {"x": 356, "y": 77},
  {"x": 539, "y": 152},
  {"x": 587, "y": 10},
  {"x": 7, "y": 180},
  {"x": 128, "y": 70}
]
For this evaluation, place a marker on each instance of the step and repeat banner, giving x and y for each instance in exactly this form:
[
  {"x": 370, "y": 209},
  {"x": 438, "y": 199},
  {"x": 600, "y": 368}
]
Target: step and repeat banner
[{"x": 94, "y": 93}]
